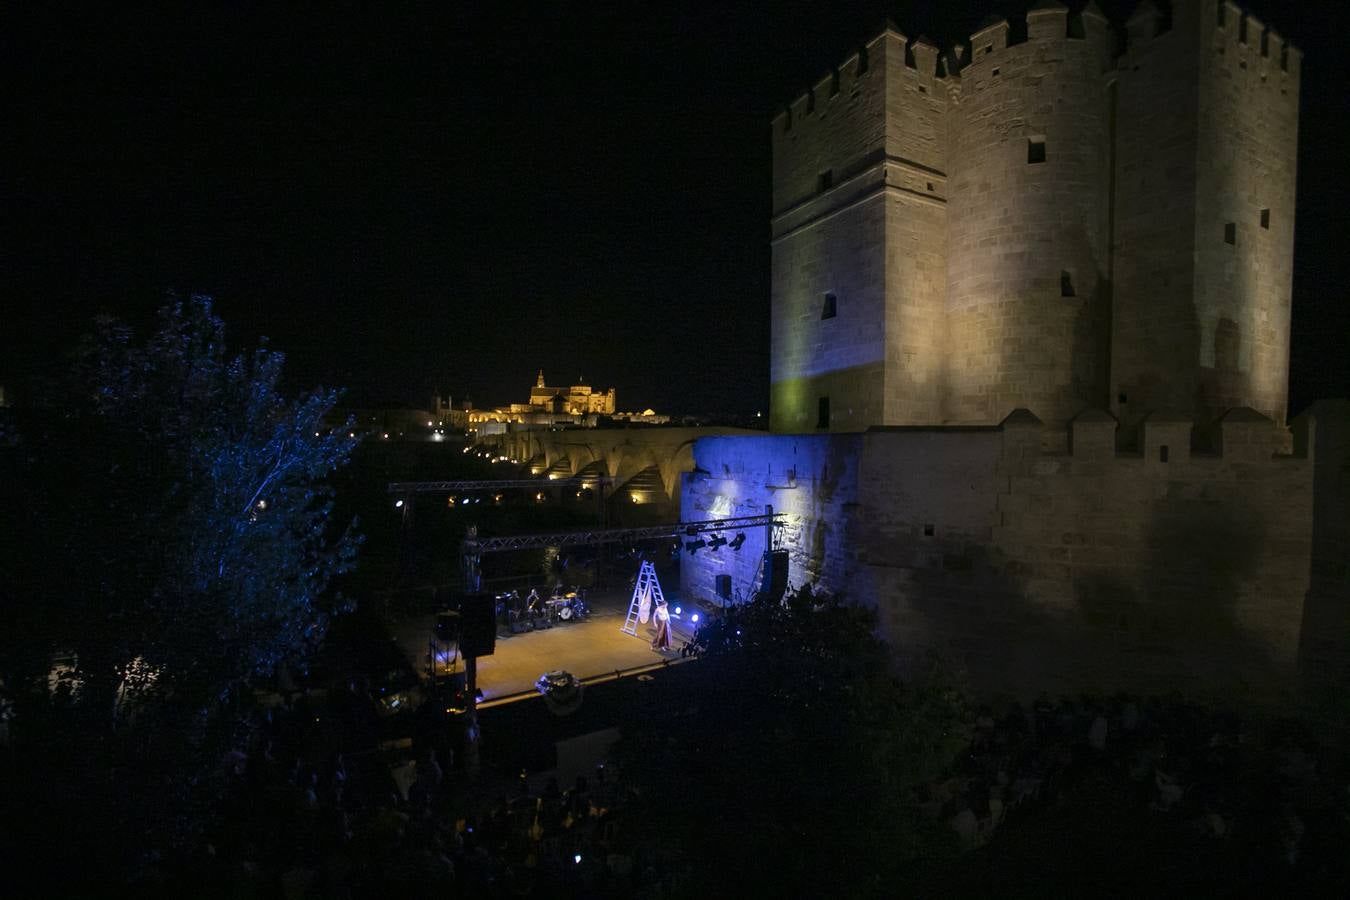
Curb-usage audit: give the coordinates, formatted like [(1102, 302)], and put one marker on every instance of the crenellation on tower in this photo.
[(992, 37), (925, 55)]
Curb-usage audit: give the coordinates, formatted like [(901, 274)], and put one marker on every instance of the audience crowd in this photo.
[(1278, 788), (306, 820)]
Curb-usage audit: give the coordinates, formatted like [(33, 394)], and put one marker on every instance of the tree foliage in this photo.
[(170, 539), (793, 763)]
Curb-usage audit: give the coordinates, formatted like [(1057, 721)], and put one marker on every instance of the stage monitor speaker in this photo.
[(477, 625), (724, 587), (775, 574)]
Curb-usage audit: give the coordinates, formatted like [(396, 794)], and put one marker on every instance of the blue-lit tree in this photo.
[(171, 539)]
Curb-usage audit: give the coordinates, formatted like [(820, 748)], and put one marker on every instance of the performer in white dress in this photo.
[(662, 619)]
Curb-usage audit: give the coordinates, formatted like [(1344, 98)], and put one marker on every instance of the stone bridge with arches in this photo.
[(644, 465)]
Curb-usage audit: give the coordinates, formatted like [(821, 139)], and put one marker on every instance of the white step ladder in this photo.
[(646, 595)]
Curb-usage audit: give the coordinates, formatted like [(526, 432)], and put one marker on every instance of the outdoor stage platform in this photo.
[(590, 649)]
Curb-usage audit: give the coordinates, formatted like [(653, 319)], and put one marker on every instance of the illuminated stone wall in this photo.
[(1086, 569), (1202, 324), (1018, 226), (829, 238), (811, 479), (1038, 224)]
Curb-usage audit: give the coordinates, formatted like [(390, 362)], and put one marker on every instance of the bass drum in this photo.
[(565, 613)]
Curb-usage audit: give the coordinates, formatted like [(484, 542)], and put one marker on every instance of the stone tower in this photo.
[(1206, 148), (1037, 223)]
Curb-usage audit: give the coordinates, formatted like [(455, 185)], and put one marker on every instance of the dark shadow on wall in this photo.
[(1090, 364), (1225, 384), (1324, 640), (824, 486), (953, 600), (1175, 628)]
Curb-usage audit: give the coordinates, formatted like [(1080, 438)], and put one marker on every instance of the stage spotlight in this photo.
[(678, 611), (694, 618), (738, 541), (716, 542), (398, 504), (692, 546)]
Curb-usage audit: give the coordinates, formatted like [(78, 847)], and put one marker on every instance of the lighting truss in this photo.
[(462, 487), (621, 535)]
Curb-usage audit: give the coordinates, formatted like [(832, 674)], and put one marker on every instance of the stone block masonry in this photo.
[(1090, 569), (1038, 223)]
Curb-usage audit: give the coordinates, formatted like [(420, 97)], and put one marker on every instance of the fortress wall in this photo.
[(1018, 335), (916, 239), (811, 479), (1323, 432), (915, 324), (1207, 138), (841, 357), (1154, 328), (830, 239), (1093, 571), (1089, 570), (838, 126), (1247, 157)]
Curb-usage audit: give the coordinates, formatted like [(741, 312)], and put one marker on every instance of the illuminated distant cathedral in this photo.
[(575, 405), (576, 400)]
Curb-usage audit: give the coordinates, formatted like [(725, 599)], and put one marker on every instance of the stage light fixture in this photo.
[(716, 542), (692, 546), (738, 541), (398, 504)]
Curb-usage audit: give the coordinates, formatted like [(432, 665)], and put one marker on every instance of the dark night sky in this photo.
[(405, 202)]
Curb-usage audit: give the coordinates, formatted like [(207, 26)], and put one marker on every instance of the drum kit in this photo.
[(535, 611)]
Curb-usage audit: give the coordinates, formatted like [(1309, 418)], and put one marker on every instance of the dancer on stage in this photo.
[(662, 619)]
